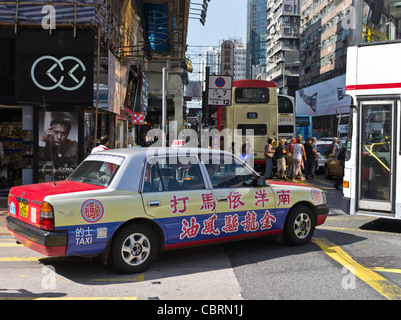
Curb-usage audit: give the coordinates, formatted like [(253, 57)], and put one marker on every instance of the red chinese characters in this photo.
[(261, 198), (208, 202), (250, 223), (231, 223), (209, 227), (92, 210), (179, 204), (189, 230), (267, 220), (283, 197), (235, 201)]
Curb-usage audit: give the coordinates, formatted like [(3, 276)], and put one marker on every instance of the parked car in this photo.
[(333, 166), (322, 149), (129, 204)]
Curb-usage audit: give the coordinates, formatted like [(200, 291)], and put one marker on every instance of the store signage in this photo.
[(58, 63), (227, 58), (55, 69)]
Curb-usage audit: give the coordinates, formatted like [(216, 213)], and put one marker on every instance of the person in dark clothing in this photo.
[(341, 158), (311, 157), (280, 157)]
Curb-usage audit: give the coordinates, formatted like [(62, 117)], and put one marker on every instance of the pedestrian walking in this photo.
[(341, 158), (311, 158), (104, 144), (298, 155), (333, 147), (280, 157), (288, 172), (269, 155)]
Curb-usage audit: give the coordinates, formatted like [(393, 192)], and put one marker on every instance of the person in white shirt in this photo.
[(298, 155), (104, 144)]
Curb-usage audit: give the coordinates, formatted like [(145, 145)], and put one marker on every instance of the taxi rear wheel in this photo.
[(134, 249), (299, 225)]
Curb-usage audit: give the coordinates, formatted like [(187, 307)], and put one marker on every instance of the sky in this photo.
[(224, 19)]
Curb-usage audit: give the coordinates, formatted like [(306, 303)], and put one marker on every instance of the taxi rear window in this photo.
[(97, 170)]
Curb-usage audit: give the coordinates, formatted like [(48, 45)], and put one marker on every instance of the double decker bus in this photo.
[(286, 117), (253, 115), (372, 173)]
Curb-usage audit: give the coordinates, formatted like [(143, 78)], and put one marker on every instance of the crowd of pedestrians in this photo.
[(294, 158)]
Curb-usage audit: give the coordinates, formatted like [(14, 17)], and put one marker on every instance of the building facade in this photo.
[(283, 63), (256, 38), (73, 72)]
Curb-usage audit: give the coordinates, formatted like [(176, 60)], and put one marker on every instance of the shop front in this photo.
[(16, 146), (44, 112)]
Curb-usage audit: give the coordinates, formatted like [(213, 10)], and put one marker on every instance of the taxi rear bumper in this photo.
[(322, 211), (49, 243)]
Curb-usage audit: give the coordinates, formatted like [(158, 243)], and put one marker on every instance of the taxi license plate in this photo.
[(23, 210)]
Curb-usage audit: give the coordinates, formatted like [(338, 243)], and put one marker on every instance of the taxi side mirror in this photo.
[(261, 181)]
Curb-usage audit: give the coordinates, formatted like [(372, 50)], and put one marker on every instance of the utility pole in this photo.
[(205, 97), (164, 105)]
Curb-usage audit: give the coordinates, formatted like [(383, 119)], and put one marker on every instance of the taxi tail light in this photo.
[(46, 220)]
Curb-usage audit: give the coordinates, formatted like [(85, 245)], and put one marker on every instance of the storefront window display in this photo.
[(16, 146)]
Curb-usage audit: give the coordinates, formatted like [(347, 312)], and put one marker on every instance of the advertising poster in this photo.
[(58, 145), (323, 98)]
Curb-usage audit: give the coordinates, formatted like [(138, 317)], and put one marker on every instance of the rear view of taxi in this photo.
[(129, 204)]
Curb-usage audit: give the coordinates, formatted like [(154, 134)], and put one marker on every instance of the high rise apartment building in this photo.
[(282, 61), (324, 38), (256, 38)]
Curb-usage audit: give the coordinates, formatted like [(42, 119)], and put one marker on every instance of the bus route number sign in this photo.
[(219, 92)]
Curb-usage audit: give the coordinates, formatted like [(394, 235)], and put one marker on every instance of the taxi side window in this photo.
[(230, 174), (165, 175)]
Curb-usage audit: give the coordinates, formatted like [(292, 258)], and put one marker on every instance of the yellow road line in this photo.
[(10, 245), (381, 269), (68, 298), (139, 278), (376, 281), (14, 259)]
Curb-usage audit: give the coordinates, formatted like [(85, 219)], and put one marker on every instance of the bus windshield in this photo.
[(285, 105), (303, 122), (252, 95)]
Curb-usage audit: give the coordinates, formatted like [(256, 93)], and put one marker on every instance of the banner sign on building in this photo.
[(227, 58), (323, 98), (117, 83), (55, 69)]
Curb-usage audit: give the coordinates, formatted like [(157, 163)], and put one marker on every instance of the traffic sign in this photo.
[(219, 97), (220, 82), (220, 88)]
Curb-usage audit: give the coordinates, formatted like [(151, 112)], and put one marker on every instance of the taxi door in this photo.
[(174, 195), (242, 208)]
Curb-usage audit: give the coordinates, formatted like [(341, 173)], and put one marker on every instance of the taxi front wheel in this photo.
[(134, 249), (299, 225)]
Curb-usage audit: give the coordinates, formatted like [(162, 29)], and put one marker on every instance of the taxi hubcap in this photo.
[(135, 249), (302, 225)]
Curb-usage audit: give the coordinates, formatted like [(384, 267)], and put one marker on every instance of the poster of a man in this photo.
[(58, 146)]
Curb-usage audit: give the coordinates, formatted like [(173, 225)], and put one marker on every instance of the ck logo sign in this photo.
[(67, 73)]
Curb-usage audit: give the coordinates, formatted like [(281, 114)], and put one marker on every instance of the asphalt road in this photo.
[(350, 257)]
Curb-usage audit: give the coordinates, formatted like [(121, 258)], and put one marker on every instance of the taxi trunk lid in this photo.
[(24, 202)]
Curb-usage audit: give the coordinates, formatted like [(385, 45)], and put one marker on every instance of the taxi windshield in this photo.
[(95, 171)]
